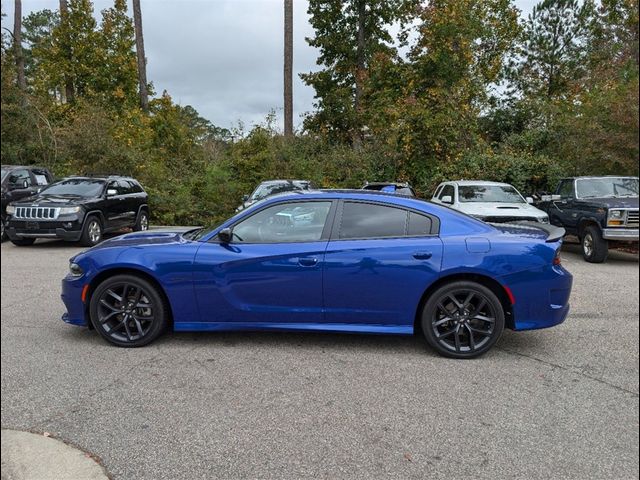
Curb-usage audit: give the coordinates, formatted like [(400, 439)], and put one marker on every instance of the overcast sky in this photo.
[(223, 57)]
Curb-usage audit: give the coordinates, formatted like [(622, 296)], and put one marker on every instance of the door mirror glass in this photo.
[(112, 192), (447, 199), (529, 200), (225, 235)]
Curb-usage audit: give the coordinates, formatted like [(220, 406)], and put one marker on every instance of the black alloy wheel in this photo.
[(128, 311), (463, 320)]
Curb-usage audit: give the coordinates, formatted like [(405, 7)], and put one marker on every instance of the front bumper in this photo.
[(69, 230), (71, 295), (623, 234)]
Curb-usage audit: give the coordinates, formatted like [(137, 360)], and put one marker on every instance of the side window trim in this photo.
[(335, 231)]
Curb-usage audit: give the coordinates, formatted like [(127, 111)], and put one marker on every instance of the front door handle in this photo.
[(422, 255), (308, 262)]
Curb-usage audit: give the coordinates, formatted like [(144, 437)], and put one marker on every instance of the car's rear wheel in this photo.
[(91, 232), (595, 249), (462, 319), (128, 311), (23, 242)]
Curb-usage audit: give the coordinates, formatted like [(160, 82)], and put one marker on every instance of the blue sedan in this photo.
[(334, 261)]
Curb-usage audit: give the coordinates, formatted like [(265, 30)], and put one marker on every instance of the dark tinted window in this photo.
[(124, 187), (447, 191), (418, 224), (363, 220), (566, 189), (135, 187), (20, 178)]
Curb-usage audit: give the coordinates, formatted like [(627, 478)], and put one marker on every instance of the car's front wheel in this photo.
[(595, 249), (91, 232), (462, 319), (128, 311)]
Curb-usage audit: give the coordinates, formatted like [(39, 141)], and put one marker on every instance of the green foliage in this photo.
[(429, 106)]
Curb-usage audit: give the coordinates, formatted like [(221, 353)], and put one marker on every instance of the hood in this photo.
[(50, 200), (500, 209), (609, 202), (143, 239)]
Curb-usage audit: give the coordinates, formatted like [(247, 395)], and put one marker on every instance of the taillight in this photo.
[(557, 260)]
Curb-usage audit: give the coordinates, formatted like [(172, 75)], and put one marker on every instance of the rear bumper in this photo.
[(541, 297), (624, 234)]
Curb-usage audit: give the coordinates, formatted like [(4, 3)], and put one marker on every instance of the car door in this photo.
[(130, 203), (115, 210), (378, 264), (563, 212), (271, 271)]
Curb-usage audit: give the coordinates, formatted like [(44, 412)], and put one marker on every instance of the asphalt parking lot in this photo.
[(559, 403)]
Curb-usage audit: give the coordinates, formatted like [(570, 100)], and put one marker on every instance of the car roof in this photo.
[(382, 184), (598, 176), (274, 182), (349, 194), (99, 177)]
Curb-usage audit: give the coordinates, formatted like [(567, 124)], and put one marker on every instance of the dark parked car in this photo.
[(273, 187), (20, 182), (79, 209), (597, 210), (396, 188)]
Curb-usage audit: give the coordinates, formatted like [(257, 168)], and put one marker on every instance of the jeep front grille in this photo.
[(632, 219), (36, 213)]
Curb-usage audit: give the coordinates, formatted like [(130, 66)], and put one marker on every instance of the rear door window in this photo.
[(365, 220)]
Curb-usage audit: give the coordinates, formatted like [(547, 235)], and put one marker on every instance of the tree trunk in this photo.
[(66, 94), (17, 45), (288, 68), (360, 73), (142, 61)]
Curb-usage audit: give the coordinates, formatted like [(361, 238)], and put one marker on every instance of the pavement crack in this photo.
[(570, 370)]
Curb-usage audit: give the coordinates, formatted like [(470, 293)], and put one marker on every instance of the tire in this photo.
[(91, 232), (595, 249), (142, 222), (3, 236), (462, 320), (23, 242), (120, 322)]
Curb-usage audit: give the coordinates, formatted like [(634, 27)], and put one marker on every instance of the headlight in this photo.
[(616, 218), (75, 270), (68, 210), (11, 210)]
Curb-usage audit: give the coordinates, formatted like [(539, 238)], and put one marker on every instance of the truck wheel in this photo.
[(92, 232), (595, 249)]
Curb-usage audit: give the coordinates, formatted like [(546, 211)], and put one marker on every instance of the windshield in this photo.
[(489, 194), (607, 187), (81, 187), (266, 190), (4, 174)]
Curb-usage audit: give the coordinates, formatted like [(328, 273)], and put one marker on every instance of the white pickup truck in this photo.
[(491, 202)]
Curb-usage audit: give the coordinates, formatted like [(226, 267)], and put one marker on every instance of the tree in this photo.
[(552, 54), (348, 34), (288, 68), (142, 60), (65, 50), (17, 45)]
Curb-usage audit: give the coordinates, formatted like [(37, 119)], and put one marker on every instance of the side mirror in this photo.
[(556, 198), (447, 199), (529, 200), (245, 198), (111, 192), (225, 235)]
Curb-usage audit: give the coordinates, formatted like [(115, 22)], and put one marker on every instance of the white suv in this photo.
[(489, 201)]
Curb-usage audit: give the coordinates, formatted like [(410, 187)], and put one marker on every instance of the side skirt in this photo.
[(294, 327)]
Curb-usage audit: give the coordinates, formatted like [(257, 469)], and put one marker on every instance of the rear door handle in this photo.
[(422, 255), (308, 262)]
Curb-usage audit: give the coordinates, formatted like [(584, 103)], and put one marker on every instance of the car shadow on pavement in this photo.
[(277, 340)]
